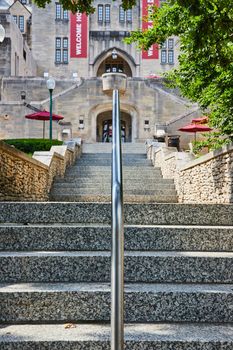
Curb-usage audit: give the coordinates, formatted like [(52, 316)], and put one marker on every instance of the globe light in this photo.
[(50, 84)]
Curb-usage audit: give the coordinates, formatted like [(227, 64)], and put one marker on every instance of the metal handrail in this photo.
[(117, 262)]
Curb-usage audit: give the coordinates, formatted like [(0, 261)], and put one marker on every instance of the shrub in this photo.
[(32, 145)]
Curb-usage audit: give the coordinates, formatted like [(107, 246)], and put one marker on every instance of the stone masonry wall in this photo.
[(30, 179), (208, 179)]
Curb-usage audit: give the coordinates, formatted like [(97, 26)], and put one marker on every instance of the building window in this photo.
[(170, 43), (58, 50), (170, 56), (65, 50), (65, 43), (21, 23), (24, 2), (65, 14), (163, 56), (65, 56), (61, 53), (15, 19), (167, 52), (100, 13), (129, 16), (107, 13), (121, 14), (58, 11)]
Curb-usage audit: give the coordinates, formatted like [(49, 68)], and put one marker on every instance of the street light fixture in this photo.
[(51, 86), (2, 33)]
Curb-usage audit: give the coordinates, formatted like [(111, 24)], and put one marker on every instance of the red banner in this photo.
[(78, 35), (153, 52)]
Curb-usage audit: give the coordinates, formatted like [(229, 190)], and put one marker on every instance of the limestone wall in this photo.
[(30, 179), (208, 179)]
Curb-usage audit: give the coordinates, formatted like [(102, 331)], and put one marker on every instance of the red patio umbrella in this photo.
[(43, 116), (195, 128), (201, 120)]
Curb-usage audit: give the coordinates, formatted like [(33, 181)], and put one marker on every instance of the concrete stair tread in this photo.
[(134, 214), (164, 288), (165, 254), (161, 332), (90, 198), (97, 236)]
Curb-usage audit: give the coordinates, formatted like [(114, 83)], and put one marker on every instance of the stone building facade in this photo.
[(76, 50), (102, 32)]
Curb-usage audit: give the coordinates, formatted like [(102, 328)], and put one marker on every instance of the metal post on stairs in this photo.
[(114, 84), (117, 264)]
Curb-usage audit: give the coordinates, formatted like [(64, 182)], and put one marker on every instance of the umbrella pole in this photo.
[(195, 137), (43, 128)]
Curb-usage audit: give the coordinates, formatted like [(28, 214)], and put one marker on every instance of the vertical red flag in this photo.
[(153, 52), (78, 35)]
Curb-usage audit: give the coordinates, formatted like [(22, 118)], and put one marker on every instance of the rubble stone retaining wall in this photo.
[(30, 179), (208, 179)]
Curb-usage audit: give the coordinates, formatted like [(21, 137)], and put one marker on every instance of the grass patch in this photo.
[(30, 146)]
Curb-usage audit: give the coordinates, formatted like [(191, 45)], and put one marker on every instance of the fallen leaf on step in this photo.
[(69, 325)]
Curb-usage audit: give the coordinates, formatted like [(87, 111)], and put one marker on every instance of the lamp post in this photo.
[(2, 33), (51, 86)]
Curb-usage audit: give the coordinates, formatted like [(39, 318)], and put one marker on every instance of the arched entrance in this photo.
[(104, 127), (118, 65)]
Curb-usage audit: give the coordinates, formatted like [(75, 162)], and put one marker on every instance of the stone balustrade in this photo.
[(208, 179), (30, 179)]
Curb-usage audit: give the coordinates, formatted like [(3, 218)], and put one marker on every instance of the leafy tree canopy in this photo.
[(82, 5), (205, 72)]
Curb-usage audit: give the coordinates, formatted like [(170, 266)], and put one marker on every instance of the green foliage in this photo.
[(81, 5), (205, 72), (32, 145), (213, 141)]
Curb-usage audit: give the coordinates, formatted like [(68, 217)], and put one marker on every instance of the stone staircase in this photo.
[(55, 269), (90, 178)]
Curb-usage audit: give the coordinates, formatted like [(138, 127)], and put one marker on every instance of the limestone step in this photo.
[(106, 198), (87, 302), (85, 266), (109, 156), (106, 181), (106, 186), (107, 148), (107, 163), (77, 169), (134, 214), (94, 237), (162, 336), (106, 190)]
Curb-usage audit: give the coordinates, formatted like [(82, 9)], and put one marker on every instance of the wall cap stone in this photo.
[(21, 155), (209, 156)]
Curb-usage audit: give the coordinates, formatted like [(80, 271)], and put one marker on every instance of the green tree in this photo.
[(205, 72)]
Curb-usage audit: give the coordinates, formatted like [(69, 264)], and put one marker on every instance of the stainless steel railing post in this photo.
[(117, 263)]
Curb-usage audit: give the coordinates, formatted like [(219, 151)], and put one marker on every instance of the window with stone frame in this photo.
[(121, 14), (129, 16), (107, 14), (21, 23), (65, 50), (100, 13), (15, 19), (58, 11), (58, 57), (167, 52), (65, 14), (61, 50)]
